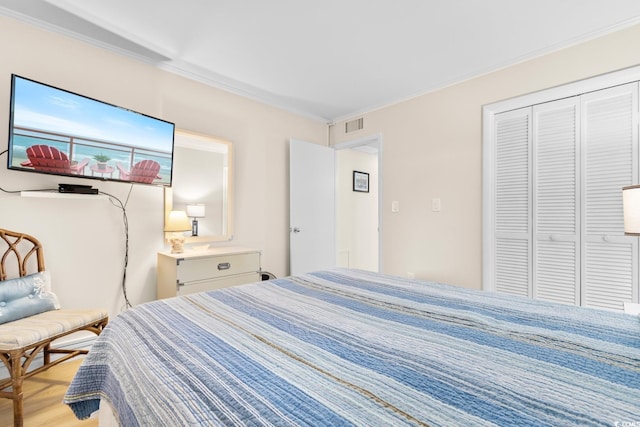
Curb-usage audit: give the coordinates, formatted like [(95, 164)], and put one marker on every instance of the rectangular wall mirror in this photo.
[(202, 185)]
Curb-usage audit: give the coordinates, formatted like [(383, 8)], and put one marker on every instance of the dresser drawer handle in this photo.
[(224, 266)]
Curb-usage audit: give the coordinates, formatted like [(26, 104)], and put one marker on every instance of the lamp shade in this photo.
[(177, 221), (195, 210), (631, 208)]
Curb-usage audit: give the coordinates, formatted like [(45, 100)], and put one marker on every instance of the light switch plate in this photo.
[(436, 205), (395, 206)]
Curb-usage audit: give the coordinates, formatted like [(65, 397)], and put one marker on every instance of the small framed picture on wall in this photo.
[(360, 181)]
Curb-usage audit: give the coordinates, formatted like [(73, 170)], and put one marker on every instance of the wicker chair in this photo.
[(22, 340)]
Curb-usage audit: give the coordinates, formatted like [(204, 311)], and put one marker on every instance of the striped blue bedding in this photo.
[(354, 348)]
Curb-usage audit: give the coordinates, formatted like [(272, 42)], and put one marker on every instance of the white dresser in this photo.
[(204, 270)]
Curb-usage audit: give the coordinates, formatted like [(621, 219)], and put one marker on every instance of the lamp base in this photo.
[(194, 227), (177, 243)]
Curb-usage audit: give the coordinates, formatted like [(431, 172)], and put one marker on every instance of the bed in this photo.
[(354, 348)]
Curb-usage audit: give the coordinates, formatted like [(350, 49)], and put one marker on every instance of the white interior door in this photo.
[(312, 207)]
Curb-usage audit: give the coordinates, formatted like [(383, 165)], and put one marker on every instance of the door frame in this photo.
[(369, 140)]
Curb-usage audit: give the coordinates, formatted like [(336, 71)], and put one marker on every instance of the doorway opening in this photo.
[(358, 212)]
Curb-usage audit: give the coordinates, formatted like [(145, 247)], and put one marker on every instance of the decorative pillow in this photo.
[(26, 296)]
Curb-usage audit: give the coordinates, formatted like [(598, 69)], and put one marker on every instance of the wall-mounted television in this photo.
[(58, 132)]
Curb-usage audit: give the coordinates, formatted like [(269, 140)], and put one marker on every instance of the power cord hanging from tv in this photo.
[(125, 220), (118, 205)]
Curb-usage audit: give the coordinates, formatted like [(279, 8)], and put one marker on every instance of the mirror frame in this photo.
[(168, 191)]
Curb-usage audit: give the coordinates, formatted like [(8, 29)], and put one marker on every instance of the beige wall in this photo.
[(433, 149), (84, 238)]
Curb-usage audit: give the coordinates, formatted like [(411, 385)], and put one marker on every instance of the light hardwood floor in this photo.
[(43, 395)]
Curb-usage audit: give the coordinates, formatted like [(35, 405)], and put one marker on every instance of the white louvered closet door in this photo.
[(610, 158), (513, 202), (556, 201)]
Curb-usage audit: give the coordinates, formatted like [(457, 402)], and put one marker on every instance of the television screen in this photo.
[(58, 132)]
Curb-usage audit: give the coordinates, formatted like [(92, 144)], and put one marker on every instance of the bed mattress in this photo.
[(354, 348)]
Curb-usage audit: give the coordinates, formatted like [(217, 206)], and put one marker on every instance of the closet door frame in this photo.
[(489, 112)]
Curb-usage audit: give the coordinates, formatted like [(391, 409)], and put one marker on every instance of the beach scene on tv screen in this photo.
[(59, 132)]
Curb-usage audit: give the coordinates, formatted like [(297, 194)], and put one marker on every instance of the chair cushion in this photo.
[(26, 296), (30, 330)]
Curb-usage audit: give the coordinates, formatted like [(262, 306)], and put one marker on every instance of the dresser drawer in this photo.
[(211, 284), (196, 269)]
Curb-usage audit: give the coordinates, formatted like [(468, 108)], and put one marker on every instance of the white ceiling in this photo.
[(329, 59)]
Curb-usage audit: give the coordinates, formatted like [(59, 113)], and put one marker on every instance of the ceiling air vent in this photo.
[(354, 125)]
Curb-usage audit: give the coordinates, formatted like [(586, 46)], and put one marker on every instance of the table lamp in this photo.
[(176, 223), (195, 211), (631, 209)]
